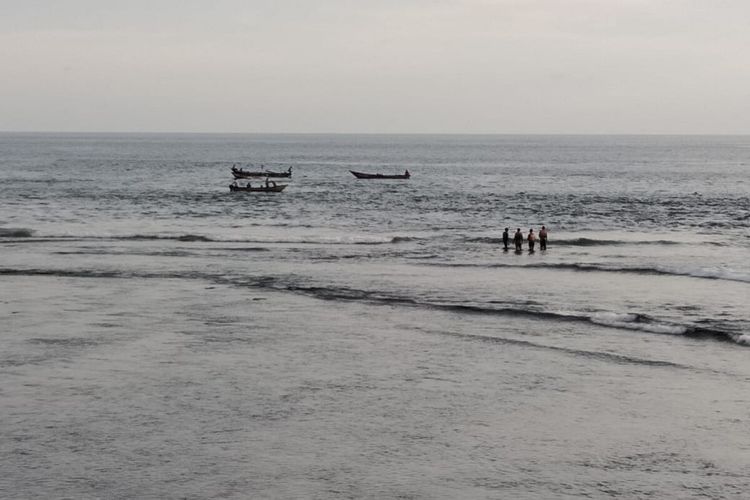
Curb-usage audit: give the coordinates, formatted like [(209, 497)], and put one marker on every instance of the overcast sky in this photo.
[(392, 66)]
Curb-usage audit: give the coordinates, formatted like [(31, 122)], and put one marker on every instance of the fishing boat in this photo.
[(269, 187), (239, 173), (362, 175)]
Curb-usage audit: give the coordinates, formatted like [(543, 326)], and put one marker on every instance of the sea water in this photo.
[(161, 337)]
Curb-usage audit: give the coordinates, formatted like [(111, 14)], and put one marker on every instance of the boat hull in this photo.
[(238, 173), (362, 175), (260, 189)]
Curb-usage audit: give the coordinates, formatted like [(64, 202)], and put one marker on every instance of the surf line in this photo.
[(606, 356)]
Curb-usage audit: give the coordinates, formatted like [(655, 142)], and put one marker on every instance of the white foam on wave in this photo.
[(720, 273), (630, 322), (612, 317), (742, 339), (661, 328)]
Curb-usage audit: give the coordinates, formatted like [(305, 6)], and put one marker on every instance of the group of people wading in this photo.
[(531, 238)]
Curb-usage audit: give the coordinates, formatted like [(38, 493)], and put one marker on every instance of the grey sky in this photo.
[(455, 66)]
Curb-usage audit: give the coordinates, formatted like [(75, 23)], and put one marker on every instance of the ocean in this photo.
[(164, 338)]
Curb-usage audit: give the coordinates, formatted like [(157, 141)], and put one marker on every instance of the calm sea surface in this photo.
[(161, 337)]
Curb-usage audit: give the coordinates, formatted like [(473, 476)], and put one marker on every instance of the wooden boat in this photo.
[(239, 173), (269, 187), (362, 175)]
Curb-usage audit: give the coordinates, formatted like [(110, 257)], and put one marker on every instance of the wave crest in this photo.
[(626, 321), (16, 232), (704, 273), (201, 238)]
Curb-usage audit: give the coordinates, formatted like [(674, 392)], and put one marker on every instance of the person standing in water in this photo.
[(531, 239), (543, 238), (506, 238), (518, 240)]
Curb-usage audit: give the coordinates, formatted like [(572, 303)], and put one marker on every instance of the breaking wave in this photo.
[(200, 238), (705, 273), (628, 321), (193, 237), (404, 239), (92, 273), (183, 237), (591, 242), (607, 356), (13, 232), (623, 321), (244, 249)]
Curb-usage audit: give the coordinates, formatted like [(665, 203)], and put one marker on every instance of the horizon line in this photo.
[(559, 134)]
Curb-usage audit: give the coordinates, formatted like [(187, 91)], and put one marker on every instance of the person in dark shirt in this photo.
[(506, 238), (543, 238), (518, 240)]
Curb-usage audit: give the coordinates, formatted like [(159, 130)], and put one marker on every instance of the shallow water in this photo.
[(163, 338)]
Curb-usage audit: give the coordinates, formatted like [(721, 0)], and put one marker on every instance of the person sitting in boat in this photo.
[(407, 174)]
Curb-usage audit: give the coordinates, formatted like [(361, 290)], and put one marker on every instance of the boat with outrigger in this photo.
[(240, 173), (268, 187), (363, 175)]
